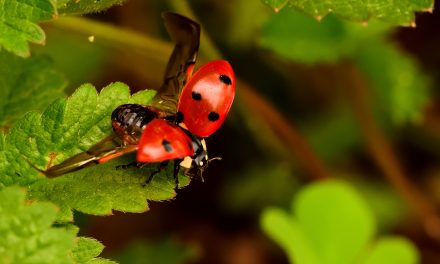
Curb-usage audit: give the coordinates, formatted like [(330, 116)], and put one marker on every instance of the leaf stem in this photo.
[(385, 157), (123, 38)]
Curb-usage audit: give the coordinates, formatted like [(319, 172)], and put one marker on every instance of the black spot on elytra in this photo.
[(213, 116), (196, 96), (167, 145), (179, 118), (225, 79)]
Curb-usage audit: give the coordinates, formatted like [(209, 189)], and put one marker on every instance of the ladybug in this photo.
[(206, 98), (186, 109)]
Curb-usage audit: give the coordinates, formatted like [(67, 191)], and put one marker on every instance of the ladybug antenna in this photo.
[(205, 166)]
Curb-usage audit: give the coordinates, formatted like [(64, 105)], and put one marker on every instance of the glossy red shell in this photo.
[(163, 140), (207, 97)]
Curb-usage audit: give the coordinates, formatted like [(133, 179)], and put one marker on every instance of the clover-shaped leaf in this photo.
[(331, 223), (71, 126)]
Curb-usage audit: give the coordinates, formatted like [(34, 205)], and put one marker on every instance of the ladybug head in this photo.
[(199, 162)]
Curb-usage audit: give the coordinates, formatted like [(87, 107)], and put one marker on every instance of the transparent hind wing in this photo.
[(105, 150), (185, 33)]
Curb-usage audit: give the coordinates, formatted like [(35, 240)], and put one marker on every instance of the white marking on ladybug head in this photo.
[(186, 162)]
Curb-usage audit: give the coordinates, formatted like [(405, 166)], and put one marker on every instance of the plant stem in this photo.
[(154, 48), (384, 155)]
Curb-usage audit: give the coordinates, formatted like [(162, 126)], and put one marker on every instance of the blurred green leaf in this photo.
[(393, 250), (303, 39), (26, 235), (333, 135), (287, 232), (331, 223), (400, 89), (395, 12), (71, 126), (88, 62), (27, 84), (298, 37), (336, 220), (18, 19), (387, 206), (158, 252), (275, 180), (17, 23)]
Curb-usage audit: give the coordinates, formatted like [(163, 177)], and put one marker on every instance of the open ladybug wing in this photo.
[(163, 140), (185, 33), (101, 152), (207, 97)]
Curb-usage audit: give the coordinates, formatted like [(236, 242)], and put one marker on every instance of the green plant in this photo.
[(331, 223)]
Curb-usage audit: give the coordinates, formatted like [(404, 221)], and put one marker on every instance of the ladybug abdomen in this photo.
[(129, 121)]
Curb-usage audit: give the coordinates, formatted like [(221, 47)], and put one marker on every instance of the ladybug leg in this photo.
[(160, 168), (132, 164), (176, 171)]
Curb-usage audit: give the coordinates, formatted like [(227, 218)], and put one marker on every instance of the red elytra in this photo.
[(163, 140), (207, 97)]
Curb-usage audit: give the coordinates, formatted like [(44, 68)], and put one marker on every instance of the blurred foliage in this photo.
[(331, 223), (27, 84), (18, 19), (27, 235), (166, 251), (400, 89), (88, 62)]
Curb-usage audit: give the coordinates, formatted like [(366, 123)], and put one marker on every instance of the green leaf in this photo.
[(303, 39), (17, 23), (71, 126), (395, 12), (165, 251), (26, 232), (336, 220), (330, 223), (86, 251), (287, 232), (18, 19), (27, 84), (85, 6), (298, 37), (393, 250)]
